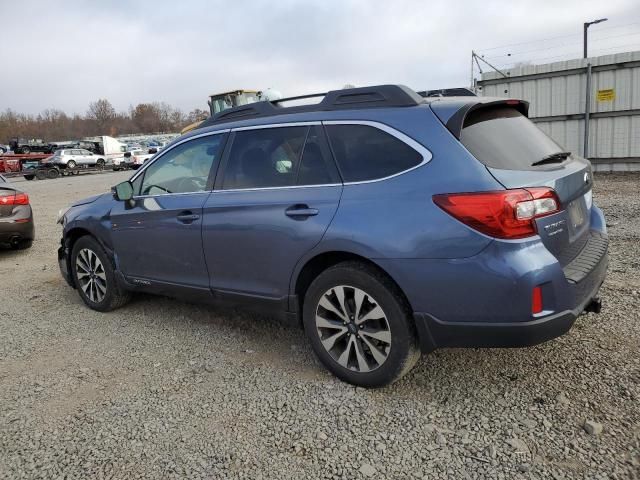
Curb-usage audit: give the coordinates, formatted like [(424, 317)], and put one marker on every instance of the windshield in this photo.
[(501, 137)]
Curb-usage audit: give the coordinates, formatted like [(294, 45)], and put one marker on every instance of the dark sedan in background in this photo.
[(16, 218)]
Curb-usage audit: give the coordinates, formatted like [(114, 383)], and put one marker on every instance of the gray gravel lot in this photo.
[(164, 389)]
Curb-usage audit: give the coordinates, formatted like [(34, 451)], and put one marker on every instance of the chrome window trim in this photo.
[(288, 187), (421, 149), (200, 192), (162, 153)]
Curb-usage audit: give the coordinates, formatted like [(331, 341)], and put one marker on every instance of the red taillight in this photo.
[(14, 198), (536, 300), (505, 214)]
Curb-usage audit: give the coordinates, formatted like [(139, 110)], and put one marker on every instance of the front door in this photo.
[(278, 193), (158, 239)]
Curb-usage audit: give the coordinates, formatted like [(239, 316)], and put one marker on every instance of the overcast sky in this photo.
[(66, 54)]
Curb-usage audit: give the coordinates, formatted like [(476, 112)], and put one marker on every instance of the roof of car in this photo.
[(378, 96)]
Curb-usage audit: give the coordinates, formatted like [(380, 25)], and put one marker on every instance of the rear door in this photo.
[(273, 202), (518, 154)]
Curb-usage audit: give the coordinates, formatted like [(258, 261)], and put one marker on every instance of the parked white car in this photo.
[(138, 158), (75, 157)]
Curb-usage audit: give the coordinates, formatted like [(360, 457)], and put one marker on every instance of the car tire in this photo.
[(370, 345), (71, 164), (53, 173), (25, 150), (94, 276), (22, 245), (41, 174), (29, 177), (100, 164)]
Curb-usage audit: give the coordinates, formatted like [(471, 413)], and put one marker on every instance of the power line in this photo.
[(554, 38), (512, 54)]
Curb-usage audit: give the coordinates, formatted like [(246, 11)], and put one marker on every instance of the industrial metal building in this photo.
[(557, 95)]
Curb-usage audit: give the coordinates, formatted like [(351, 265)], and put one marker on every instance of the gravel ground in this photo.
[(164, 389)]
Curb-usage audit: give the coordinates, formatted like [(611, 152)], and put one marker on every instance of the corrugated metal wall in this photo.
[(556, 93)]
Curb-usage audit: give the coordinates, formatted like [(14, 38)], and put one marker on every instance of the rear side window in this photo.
[(263, 158), (501, 137), (368, 153)]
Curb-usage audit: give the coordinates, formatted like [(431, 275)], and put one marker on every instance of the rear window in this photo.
[(501, 137), (367, 153)]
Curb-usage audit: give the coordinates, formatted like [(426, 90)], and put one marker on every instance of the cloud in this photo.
[(70, 53)]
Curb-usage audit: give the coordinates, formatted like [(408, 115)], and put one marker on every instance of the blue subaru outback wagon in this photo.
[(385, 223)]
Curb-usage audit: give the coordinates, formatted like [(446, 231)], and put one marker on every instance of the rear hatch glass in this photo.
[(501, 137)]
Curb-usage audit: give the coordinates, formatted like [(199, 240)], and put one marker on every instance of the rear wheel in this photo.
[(71, 164), (25, 150), (53, 173), (41, 174), (360, 326), (100, 164), (94, 276)]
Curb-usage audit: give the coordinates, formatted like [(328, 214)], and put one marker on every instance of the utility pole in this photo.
[(587, 100)]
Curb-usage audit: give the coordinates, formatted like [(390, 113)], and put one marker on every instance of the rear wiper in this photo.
[(557, 157)]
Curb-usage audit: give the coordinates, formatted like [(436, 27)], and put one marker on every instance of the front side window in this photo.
[(183, 169), (366, 153), (263, 158)]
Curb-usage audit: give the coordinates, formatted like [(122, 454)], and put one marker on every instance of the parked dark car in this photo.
[(386, 224), (22, 145), (16, 218)]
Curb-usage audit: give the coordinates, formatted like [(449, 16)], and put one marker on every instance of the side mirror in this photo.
[(123, 191)]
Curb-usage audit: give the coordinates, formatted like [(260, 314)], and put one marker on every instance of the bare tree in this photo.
[(100, 119), (102, 112)]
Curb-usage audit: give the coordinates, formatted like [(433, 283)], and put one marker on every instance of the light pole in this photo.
[(586, 26), (587, 102)]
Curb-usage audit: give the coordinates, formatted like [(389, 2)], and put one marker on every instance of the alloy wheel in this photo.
[(91, 275), (353, 328)]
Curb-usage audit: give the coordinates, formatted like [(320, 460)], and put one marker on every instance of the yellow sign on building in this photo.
[(607, 95)]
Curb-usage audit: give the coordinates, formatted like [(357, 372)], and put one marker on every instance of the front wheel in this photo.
[(25, 150), (94, 276), (100, 164), (360, 326), (71, 164)]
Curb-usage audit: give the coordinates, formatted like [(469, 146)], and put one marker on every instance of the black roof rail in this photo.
[(448, 92), (350, 98)]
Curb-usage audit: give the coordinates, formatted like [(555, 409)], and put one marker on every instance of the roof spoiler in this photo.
[(454, 119), (447, 92)]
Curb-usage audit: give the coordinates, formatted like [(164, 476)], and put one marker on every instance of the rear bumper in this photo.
[(11, 230), (435, 333)]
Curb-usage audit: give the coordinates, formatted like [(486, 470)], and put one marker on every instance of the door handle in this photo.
[(187, 217), (298, 211)]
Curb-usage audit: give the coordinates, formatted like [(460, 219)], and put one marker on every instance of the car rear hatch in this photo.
[(519, 155)]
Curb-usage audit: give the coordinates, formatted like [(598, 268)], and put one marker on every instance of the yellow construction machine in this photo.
[(222, 101)]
